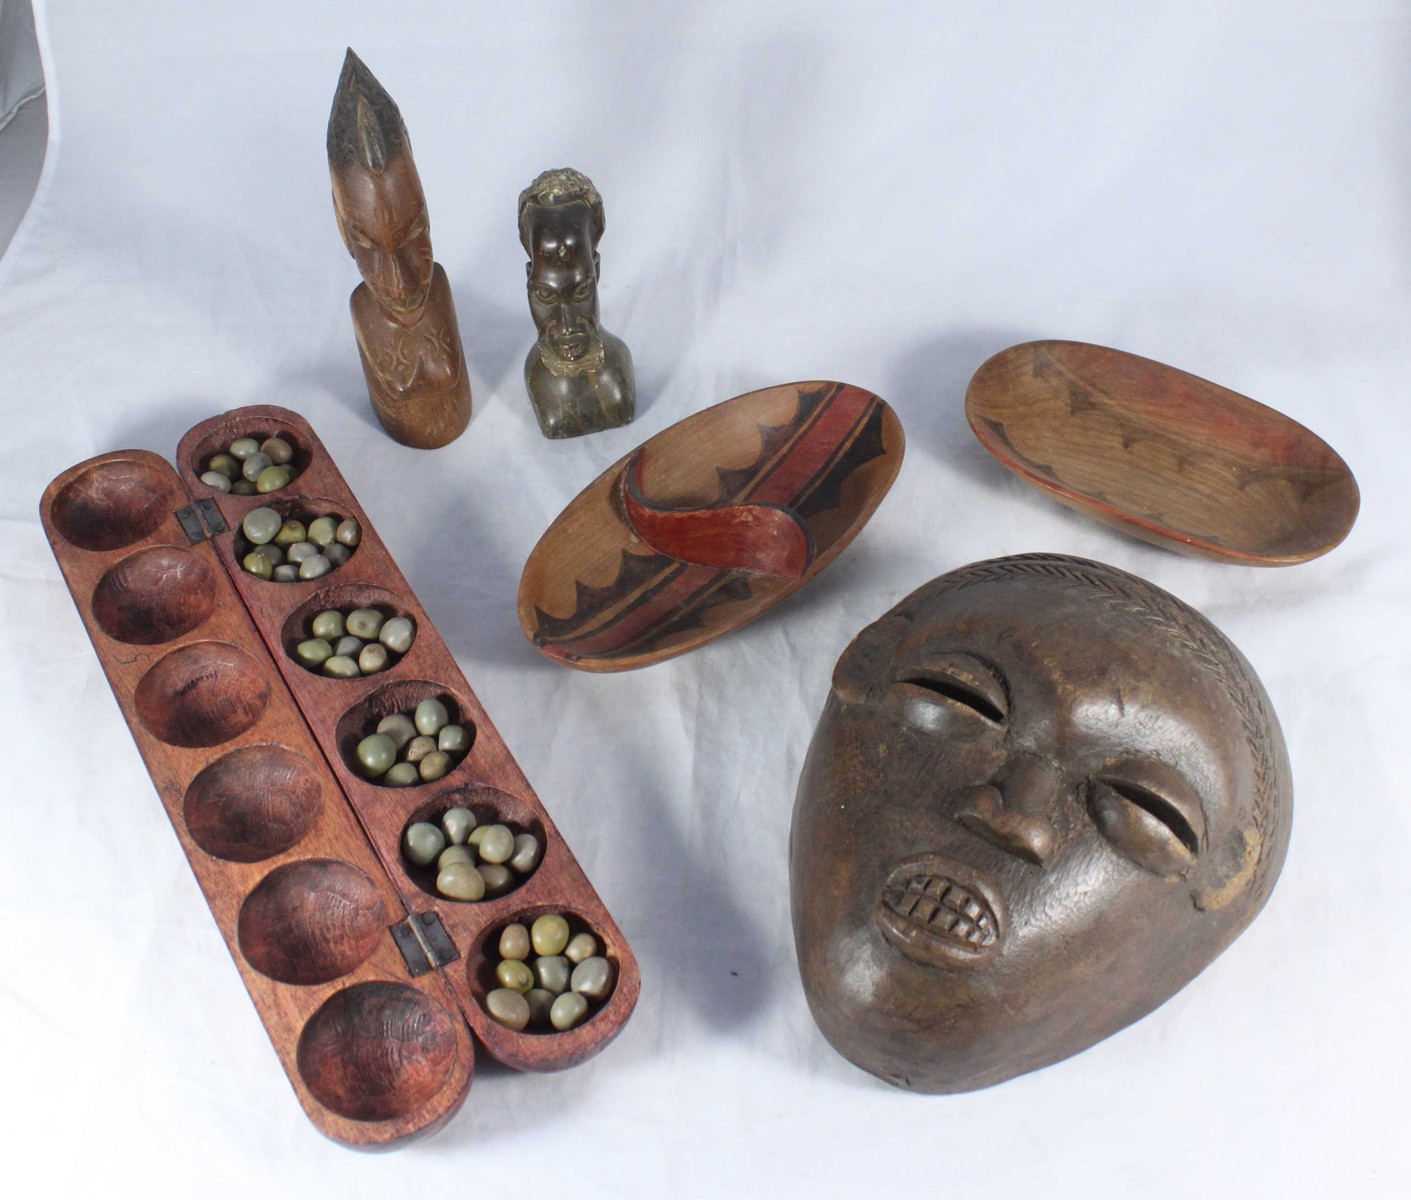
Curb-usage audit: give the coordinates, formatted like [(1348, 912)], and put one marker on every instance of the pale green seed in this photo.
[(423, 842), (328, 625), (580, 946), (372, 658), (457, 823), (349, 532), (280, 452), (321, 531), (549, 934), (401, 775), (476, 834), (365, 623), (434, 766), (376, 753), (526, 854), (299, 551), (398, 634), (340, 666), (290, 533), (498, 879), (592, 978), (269, 550), (260, 525), (430, 716), (242, 487), (226, 464), (460, 881), (271, 479), (399, 727), (286, 573), (258, 565), (552, 972), (453, 739), (514, 942), (496, 846), (253, 465), (540, 1003), (567, 1011), (514, 974), (242, 448), (418, 748), (454, 854), (347, 645), (313, 653), (337, 554), (508, 1008), (214, 479), (313, 568)]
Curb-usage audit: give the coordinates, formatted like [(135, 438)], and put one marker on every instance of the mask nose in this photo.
[(1011, 812)]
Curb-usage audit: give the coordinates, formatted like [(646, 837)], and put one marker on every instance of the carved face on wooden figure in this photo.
[(560, 221), (377, 195), (1042, 797)]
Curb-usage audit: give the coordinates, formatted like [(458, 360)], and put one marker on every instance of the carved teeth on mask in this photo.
[(942, 908)]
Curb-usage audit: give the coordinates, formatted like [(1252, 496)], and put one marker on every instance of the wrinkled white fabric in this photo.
[(881, 194), (21, 72)]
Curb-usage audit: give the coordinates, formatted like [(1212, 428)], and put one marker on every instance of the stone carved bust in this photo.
[(403, 313), (579, 376), (1042, 797)]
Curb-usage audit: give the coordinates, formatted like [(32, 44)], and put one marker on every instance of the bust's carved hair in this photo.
[(562, 185), (365, 128), (1197, 638)]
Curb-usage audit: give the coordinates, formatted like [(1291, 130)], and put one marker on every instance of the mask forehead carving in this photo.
[(1043, 796)]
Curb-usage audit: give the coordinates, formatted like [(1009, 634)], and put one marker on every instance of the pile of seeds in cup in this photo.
[(289, 551), (549, 977), (360, 642), (415, 747), (249, 466), (472, 861)]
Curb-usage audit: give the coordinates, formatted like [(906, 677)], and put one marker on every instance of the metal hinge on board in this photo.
[(201, 519), (424, 943)]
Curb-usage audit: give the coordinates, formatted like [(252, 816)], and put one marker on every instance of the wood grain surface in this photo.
[(596, 595), (1166, 456), (298, 855)]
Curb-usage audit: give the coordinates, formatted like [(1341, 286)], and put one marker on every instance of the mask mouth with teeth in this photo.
[(1042, 797)]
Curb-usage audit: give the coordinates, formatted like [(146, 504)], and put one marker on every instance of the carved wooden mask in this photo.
[(1042, 797)]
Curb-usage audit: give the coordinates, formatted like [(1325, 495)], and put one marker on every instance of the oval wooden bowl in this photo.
[(708, 524), (1172, 458)]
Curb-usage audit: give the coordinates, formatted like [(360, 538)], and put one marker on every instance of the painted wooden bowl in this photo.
[(708, 524), (1167, 456)]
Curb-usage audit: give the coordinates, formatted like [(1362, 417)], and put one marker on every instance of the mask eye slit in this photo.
[(1159, 808), (958, 692)]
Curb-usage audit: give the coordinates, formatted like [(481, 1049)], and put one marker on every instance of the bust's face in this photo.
[(384, 224), (563, 279), (1027, 818)]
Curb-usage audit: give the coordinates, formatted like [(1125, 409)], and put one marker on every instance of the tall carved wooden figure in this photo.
[(579, 376), (403, 313)]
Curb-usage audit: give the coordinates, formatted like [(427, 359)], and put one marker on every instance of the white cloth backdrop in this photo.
[(884, 194), (21, 73)]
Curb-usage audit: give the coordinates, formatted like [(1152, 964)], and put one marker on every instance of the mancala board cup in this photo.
[(1167, 456), (708, 524)]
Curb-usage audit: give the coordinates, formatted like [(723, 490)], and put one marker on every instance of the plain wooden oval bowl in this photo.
[(814, 459), (1167, 456)]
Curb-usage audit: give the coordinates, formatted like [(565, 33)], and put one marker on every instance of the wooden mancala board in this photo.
[(368, 982)]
